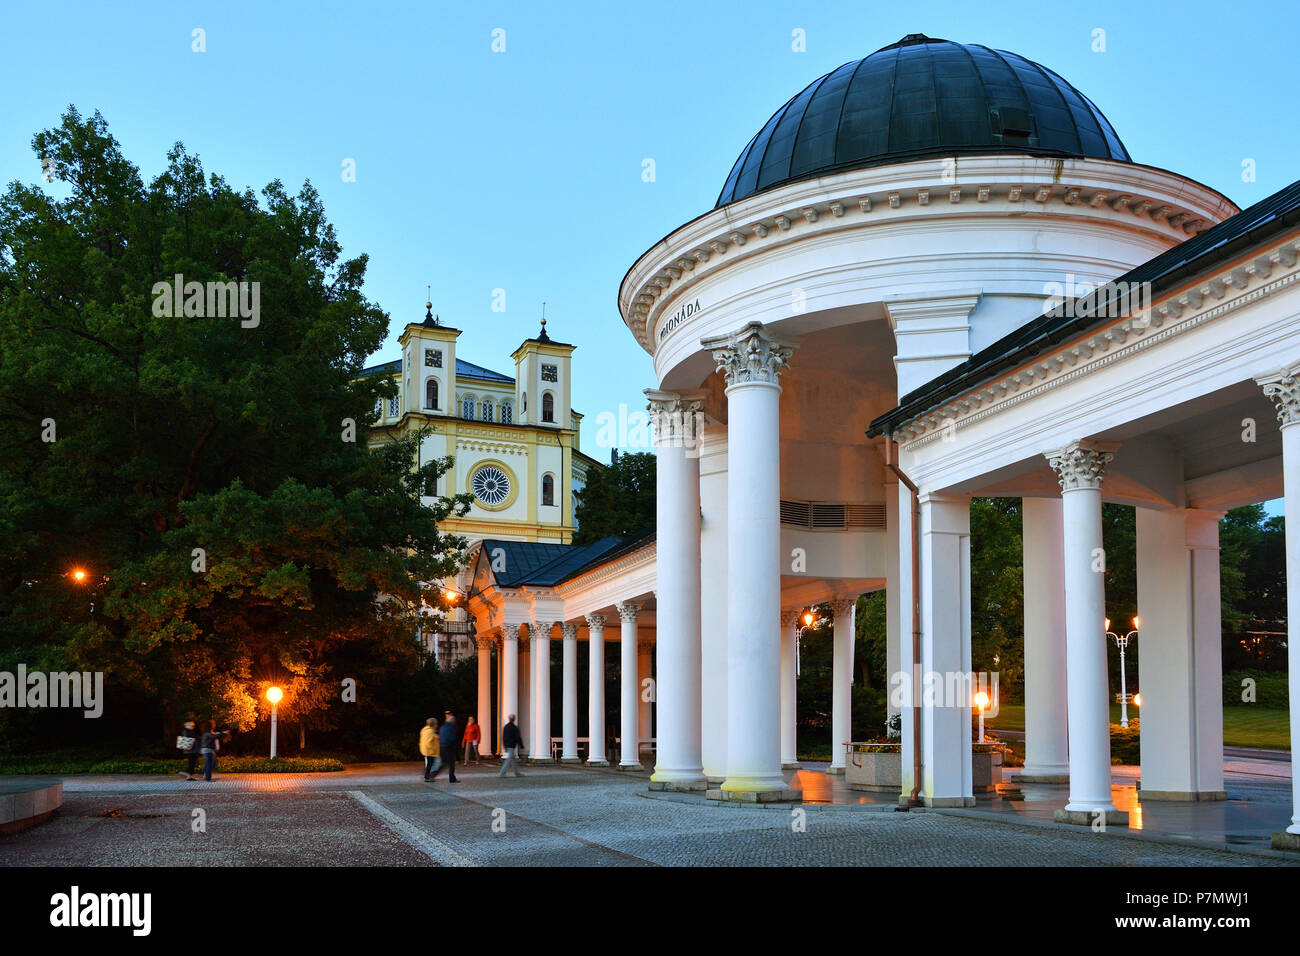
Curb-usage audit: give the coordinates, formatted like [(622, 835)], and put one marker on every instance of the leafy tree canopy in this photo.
[(209, 474), (618, 499)]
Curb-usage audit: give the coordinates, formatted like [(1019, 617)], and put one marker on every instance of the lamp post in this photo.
[(981, 701), (807, 617), (274, 695), (1122, 644)]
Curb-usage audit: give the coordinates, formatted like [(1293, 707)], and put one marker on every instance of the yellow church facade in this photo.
[(514, 440)]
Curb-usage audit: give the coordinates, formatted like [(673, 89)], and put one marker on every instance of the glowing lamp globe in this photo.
[(274, 695), (981, 700)]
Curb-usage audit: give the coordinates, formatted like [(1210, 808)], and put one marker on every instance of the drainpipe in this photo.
[(891, 460)]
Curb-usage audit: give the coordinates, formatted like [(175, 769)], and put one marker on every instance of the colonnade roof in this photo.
[(1230, 239), (539, 564)]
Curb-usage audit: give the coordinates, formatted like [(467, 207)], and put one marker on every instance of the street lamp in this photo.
[(1122, 644), (274, 695), (79, 575), (981, 701)]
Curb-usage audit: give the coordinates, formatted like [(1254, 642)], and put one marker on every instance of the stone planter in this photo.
[(985, 767), (880, 771)]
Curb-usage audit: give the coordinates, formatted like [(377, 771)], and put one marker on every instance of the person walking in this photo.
[(209, 744), (473, 734), (511, 740), (429, 747), (190, 732), (448, 740)]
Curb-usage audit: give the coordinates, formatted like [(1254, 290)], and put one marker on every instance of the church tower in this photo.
[(429, 365), (542, 382)]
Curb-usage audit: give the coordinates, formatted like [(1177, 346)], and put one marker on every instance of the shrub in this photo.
[(1270, 688)]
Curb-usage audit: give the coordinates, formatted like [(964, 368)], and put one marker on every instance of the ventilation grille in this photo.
[(833, 515)]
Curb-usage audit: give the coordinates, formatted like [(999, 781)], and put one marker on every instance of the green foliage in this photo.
[(619, 499), (1270, 689), (997, 592), (1126, 745), (184, 433)]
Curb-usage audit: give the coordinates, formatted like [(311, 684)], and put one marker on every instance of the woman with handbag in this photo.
[(187, 742), (209, 744), (429, 747)]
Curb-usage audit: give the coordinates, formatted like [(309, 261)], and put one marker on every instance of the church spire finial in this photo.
[(542, 336), (429, 317)]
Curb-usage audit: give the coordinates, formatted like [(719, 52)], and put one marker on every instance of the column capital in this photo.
[(645, 644), (596, 622), (749, 356), (627, 611), (789, 616), (677, 417), (541, 629), (1081, 465), (510, 632), (842, 606), (569, 631), (484, 641), (1284, 390)]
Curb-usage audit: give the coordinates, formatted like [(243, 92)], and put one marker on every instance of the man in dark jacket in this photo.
[(511, 741), (448, 740)]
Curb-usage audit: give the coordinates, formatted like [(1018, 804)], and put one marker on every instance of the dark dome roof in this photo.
[(921, 97)]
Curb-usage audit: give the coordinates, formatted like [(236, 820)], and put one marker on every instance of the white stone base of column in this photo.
[(715, 781), (597, 763), (754, 796), (943, 802), (835, 771), (1182, 796), (792, 766), (1286, 840), (1087, 818), (632, 767), (1030, 775), (684, 785), (570, 760), (539, 760)]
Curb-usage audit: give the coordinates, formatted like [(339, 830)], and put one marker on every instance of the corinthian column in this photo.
[(789, 689), (541, 662), (678, 420), (1081, 466), (1284, 390), (841, 681), (629, 758), (484, 716), (751, 361), (509, 674), (596, 690), (569, 710)]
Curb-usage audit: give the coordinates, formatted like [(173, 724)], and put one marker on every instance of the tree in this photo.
[(209, 472), (618, 499)]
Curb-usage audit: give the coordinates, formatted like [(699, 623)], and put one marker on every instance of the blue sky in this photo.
[(521, 170)]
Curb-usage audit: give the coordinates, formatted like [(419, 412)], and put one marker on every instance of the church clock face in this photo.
[(490, 485)]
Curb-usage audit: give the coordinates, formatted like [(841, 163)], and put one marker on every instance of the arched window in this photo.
[(507, 413), (548, 490), (548, 407), (395, 406), (431, 394), (467, 407), (487, 410)]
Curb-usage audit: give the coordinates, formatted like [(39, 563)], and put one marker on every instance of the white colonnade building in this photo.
[(881, 318)]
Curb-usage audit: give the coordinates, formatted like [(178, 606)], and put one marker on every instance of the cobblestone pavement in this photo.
[(550, 817)]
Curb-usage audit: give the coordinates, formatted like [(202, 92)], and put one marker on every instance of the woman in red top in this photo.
[(472, 737)]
